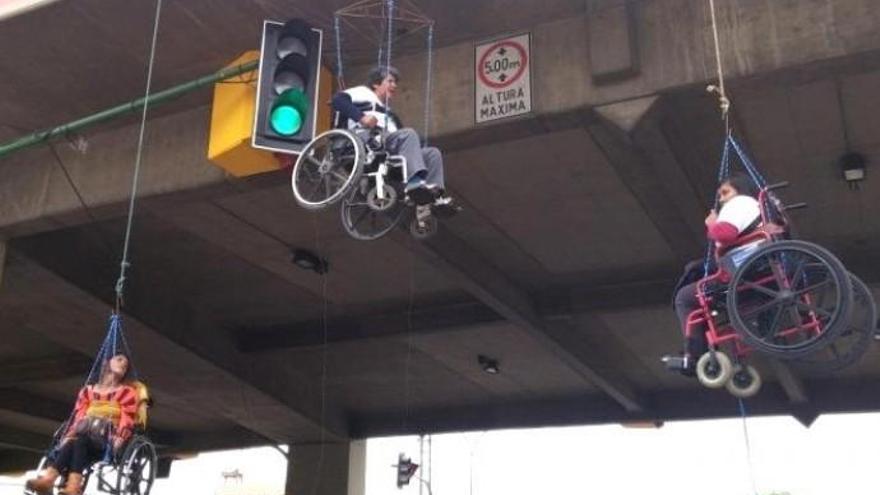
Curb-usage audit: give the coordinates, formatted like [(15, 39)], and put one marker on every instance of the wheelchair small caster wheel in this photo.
[(714, 371), (423, 228), (744, 382), (384, 203)]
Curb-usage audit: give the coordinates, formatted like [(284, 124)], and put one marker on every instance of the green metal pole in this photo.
[(132, 106)]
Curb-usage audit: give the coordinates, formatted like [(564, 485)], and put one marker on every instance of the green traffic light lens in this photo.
[(288, 112), (286, 120)]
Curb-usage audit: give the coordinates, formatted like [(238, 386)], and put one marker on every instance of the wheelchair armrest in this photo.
[(757, 235)]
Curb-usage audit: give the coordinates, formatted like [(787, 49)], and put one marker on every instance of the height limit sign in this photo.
[(503, 78)]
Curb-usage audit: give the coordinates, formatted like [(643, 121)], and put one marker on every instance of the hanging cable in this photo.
[(338, 32), (324, 345), (742, 412), (390, 18), (428, 81), (124, 264), (723, 100)]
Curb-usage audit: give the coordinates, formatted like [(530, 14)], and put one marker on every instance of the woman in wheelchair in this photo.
[(103, 420), (362, 109), (739, 215)]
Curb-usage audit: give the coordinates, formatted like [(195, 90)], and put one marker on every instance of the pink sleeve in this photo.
[(722, 233)]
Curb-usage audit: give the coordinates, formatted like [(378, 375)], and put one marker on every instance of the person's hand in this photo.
[(369, 121), (711, 218), (772, 228)]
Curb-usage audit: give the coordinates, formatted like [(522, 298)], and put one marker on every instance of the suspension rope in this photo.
[(390, 17), (338, 32), (124, 264), (723, 100), (742, 412), (428, 81), (324, 346)]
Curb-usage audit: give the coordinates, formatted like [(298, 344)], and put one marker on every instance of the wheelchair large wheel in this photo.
[(789, 299), (137, 468), (363, 220), (853, 342), (327, 168)]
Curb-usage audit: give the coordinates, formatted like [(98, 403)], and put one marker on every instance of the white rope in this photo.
[(723, 100), (390, 13), (124, 264), (428, 78)]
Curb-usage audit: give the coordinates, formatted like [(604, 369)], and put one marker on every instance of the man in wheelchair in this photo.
[(104, 418), (362, 109), (739, 215)]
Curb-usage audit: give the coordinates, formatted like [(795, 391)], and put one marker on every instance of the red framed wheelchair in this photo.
[(788, 299)]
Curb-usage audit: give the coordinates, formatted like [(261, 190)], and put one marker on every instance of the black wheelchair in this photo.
[(354, 167), (131, 472)]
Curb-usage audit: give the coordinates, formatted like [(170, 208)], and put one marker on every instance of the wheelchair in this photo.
[(785, 298), (131, 472), (354, 167)]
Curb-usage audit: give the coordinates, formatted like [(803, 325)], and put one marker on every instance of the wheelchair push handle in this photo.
[(794, 206), (778, 185)]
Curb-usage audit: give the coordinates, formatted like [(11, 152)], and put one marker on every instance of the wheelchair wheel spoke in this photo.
[(311, 159), (774, 324), (813, 309), (340, 176), (760, 288), (777, 268), (760, 309), (813, 287), (798, 272)]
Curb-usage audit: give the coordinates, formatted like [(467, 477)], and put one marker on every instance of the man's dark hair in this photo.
[(743, 185), (378, 74)]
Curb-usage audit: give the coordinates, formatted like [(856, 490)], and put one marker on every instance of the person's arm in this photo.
[(343, 104), (128, 409), (719, 231), (79, 411), (734, 218)]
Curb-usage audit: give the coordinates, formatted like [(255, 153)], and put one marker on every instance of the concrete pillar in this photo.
[(337, 469)]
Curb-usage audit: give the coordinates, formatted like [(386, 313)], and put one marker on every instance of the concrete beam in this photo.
[(828, 396), (631, 137), (554, 304), (791, 384), (42, 369), (11, 438), (489, 285), (15, 462), (35, 406), (613, 43), (3, 248), (421, 320)]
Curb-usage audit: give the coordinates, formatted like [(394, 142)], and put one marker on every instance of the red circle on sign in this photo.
[(522, 68)]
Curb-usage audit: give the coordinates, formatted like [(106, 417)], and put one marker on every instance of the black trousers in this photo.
[(77, 454)]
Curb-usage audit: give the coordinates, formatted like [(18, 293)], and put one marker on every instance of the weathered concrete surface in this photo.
[(576, 220)]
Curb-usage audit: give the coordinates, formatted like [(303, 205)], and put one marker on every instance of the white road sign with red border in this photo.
[(503, 78)]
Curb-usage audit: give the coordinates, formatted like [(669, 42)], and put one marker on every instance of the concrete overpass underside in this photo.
[(577, 220)]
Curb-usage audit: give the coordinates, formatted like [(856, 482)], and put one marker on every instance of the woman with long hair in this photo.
[(103, 420)]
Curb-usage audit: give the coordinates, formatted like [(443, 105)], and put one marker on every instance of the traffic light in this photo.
[(287, 87), (405, 470)]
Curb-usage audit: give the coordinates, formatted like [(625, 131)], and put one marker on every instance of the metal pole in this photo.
[(132, 106)]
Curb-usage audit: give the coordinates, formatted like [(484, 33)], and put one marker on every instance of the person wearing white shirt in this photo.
[(740, 214), (366, 107)]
